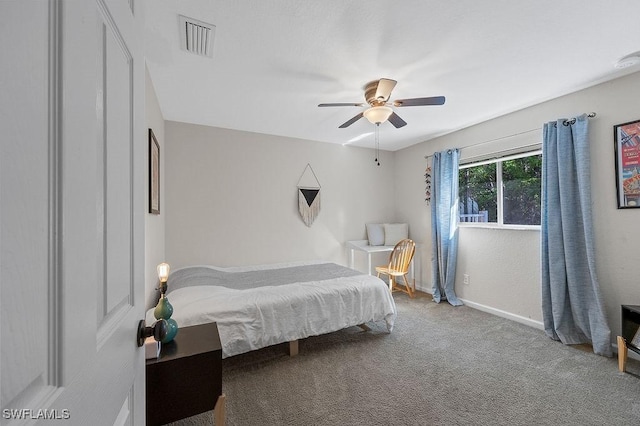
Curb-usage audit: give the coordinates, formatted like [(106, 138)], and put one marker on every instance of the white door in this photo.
[(72, 211)]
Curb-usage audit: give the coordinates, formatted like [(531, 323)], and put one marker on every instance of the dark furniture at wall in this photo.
[(630, 338), (187, 377)]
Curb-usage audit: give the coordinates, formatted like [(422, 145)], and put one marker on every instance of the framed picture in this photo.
[(154, 174), (627, 149)]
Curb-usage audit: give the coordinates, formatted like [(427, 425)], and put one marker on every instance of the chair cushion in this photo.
[(375, 234), (394, 232)]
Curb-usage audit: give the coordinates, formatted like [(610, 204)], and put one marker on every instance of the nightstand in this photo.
[(187, 377)]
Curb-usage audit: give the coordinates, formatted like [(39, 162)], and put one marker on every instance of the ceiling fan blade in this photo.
[(385, 86), (396, 120), (340, 104), (350, 122), (434, 100)]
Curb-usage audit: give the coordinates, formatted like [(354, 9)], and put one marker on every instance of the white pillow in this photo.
[(394, 232), (375, 234)]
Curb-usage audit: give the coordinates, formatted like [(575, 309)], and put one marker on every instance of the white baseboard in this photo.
[(517, 318), (528, 321), (498, 312), (504, 314)]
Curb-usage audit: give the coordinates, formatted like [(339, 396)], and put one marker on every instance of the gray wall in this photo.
[(504, 265), (232, 198)]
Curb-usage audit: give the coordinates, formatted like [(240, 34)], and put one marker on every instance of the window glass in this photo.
[(477, 188), (503, 192), (522, 183)]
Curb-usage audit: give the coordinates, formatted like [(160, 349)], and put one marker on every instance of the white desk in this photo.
[(363, 245)]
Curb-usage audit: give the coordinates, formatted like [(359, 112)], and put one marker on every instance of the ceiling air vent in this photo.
[(196, 36)]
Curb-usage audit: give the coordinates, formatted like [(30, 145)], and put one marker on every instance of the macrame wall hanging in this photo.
[(308, 196)]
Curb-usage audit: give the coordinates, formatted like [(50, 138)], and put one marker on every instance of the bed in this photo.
[(260, 306)]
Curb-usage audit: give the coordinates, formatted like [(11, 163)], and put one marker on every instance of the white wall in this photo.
[(504, 265), (154, 224), (232, 199)]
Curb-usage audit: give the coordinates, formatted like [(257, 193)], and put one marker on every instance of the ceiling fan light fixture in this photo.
[(378, 114)]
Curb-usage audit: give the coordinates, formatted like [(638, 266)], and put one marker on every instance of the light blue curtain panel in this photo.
[(444, 226), (572, 306)]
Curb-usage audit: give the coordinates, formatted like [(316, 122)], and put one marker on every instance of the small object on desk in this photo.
[(375, 234), (151, 348)]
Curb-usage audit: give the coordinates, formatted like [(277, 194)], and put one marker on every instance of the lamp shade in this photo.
[(163, 272), (378, 114)]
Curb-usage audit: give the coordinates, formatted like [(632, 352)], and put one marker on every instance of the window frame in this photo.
[(500, 192)]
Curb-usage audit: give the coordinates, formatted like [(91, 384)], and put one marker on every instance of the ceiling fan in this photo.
[(377, 94)]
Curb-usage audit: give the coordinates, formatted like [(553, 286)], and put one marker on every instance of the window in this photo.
[(505, 191)]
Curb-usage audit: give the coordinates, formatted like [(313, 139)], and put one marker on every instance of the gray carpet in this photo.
[(440, 366)]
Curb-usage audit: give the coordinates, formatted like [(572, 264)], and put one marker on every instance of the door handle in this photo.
[(158, 330)]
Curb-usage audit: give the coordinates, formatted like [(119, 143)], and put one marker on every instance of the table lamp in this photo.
[(163, 309)]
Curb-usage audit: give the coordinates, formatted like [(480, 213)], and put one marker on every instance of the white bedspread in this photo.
[(250, 319)]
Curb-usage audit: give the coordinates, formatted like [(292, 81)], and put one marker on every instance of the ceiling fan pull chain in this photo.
[(377, 133)]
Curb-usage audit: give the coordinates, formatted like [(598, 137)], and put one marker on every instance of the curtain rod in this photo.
[(566, 123)]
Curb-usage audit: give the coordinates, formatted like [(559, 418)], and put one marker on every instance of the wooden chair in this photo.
[(399, 261)]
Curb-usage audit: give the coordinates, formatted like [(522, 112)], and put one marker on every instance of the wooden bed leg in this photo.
[(365, 327), (622, 354), (293, 348), (219, 412)]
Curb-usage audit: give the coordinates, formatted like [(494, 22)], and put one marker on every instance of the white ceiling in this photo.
[(274, 61)]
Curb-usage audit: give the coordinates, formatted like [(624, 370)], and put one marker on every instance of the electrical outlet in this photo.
[(465, 279)]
